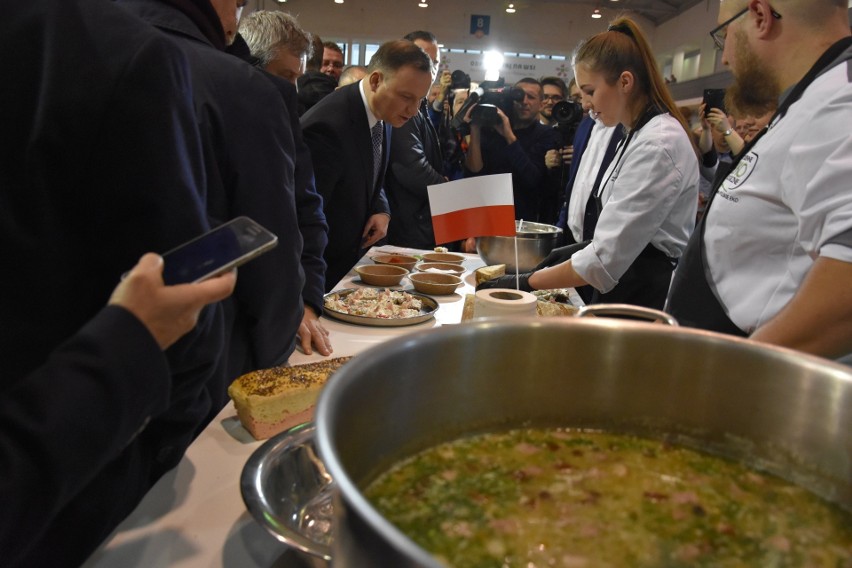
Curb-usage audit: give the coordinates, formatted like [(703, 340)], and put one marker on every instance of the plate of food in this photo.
[(554, 302), (379, 307)]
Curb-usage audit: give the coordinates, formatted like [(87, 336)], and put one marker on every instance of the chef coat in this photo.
[(787, 202), (649, 195)]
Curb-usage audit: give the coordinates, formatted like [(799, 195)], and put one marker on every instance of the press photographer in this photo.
[(555, 91), (566, 116), (506, 137)]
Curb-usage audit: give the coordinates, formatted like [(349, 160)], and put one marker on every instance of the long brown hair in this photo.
[(621, 48)]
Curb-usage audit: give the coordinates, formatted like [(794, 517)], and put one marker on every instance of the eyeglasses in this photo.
[(554, 98), (720, 32)]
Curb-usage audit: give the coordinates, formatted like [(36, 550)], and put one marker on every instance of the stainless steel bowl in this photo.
[(535, 241), (288, 492), (781, 411)]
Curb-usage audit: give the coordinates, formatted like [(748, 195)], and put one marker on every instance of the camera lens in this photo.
[(567, 111)]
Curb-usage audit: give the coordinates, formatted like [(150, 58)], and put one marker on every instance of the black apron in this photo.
[(693, 300), (646, 281)]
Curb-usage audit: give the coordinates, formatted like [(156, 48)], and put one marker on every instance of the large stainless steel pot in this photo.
[(788, 413)]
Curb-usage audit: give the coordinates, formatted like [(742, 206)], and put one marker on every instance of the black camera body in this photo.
[(490, 96), (567, 115), (485, 113), (459, 80)]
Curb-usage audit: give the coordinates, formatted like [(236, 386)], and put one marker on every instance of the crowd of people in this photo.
[(131, 126)]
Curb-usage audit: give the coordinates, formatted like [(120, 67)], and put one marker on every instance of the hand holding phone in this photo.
[(218, 251)]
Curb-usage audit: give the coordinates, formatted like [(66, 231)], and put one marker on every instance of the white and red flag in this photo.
[(473, 207)]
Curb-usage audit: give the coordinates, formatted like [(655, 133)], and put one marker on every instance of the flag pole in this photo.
[(517, 272)]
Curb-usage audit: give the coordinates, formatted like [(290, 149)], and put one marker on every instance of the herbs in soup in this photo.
[(537, 498)]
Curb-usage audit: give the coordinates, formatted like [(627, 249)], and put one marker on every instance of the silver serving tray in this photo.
[(430, 306), (287, 490)]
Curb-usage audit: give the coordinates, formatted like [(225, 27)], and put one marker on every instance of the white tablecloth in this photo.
[(194, 516)]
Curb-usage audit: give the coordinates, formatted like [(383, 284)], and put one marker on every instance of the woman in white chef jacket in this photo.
[(634, 224)]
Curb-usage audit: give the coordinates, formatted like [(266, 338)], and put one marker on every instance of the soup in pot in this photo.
[(537, 497)]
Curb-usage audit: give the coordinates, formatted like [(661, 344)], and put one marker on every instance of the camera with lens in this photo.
[(567, 115), (488, 98)]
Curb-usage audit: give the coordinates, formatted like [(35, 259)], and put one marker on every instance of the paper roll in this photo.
[(503, 302)]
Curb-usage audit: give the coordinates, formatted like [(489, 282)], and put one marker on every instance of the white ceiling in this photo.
[(657, 11)]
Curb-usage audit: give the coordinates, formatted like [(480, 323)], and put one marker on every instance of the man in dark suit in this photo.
[(342, 131), (278, 47), (248, 150), (415, 163), (100, 161)]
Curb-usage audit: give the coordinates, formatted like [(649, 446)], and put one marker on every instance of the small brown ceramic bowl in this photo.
[(381, 274), (440, 268), (446, 257), (403, 260), (434, 283)]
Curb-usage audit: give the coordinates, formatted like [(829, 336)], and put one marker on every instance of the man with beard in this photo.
[(772, 258), (516, 145)]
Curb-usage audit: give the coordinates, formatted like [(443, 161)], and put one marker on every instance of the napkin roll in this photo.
[(503, 302)]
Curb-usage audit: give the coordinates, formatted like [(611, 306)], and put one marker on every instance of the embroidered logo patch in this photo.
[(741, 172)]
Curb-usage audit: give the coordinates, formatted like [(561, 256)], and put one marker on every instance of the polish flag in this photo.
[(472, 207)]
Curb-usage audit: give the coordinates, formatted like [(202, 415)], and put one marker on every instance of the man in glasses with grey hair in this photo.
[(772, 258)]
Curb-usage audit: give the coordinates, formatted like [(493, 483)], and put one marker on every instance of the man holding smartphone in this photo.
[(93, 412)]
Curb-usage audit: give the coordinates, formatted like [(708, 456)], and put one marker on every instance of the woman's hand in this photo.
[(719, 120)]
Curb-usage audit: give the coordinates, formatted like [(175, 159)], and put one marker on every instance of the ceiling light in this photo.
[(597, 14), (423, 5), (511, 9), (338, 1), (492, 61)]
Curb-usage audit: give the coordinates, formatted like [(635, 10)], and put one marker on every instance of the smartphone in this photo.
[(714, 98), (227, 246)]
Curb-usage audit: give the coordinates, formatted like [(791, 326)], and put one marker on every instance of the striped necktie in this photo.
[(377, 134)]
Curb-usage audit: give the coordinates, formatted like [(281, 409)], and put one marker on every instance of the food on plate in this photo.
[(556, 497), (548, 309), (555, 302), (441, 249), (489, 273), (544, 308), (272, 400), (555, 295), (373, 303)]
